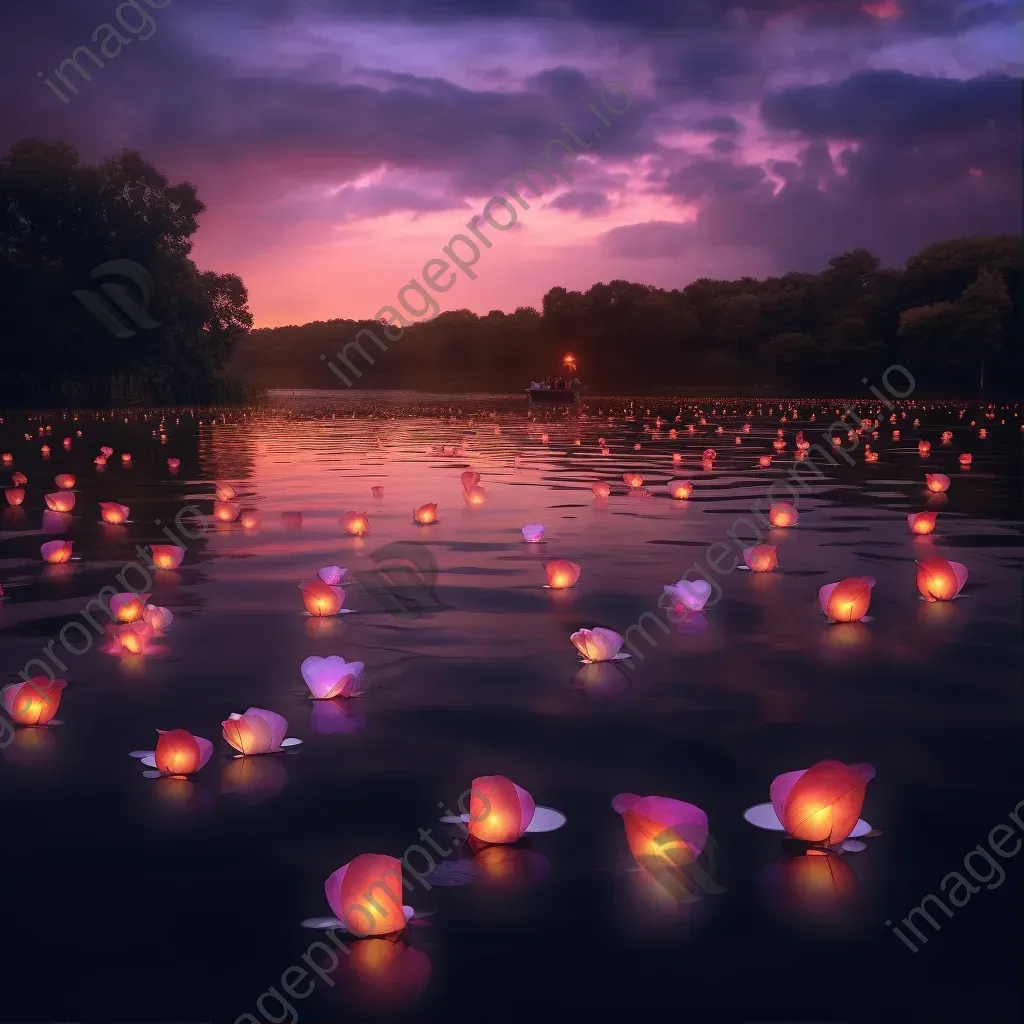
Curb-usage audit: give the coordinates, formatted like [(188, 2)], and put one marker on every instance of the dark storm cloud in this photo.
[(714, 178), (721, 124), (587, 204)]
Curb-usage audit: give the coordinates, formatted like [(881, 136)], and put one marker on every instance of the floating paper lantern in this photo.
[(426, 514), (65, 481), (819, 805), (762, 558), (779, 445), (561, 573), (106, 452), (601, 489), (174, 463), (633, 480), (922, 522), (690, 595), (366, 895), (707, 465), (923, 448), (113, 513), (937, 482), (676, 458), (7, 458), (126, 458), (57, 552), (331, 677), (33, 702), (895, 435), (965, 459), (60, 501), (746, 428), (606, 451), (15, 495), (598, 644), (783, 515), (475, 497), (224, 492), (249, 518), (45, 451), (377, 491), (499, 810), (947, 436), (680, 489), (257, 732), (871, 456), (158, 619), (983, 433), (765, 461), (355, 523), (167, 556), (128, 607), (848, 600), (662, 832), (322, 600), (226, 511), (332, 575), (709, 455), (130, 638), (19, 479), (178, 752), (940, 580), (533, 533), (469, 480)]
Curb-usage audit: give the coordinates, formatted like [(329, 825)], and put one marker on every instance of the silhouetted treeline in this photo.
[(99, 301), (954, 311)]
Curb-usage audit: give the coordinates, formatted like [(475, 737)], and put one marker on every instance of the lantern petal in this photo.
[(149, 760), (526, 807), (612, 640), (763, 816), (324, 924), (205, 750), (780, 788), (332, 887), (545, 819), (960, 571), (277, 724), (824, 593)]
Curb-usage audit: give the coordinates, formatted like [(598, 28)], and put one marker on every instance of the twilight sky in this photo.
[(339, 144)]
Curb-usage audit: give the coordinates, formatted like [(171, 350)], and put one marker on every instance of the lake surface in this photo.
[(137, 899)]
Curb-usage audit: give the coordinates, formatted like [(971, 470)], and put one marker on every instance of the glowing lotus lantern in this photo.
[(765, 461), (33, 702), (598, 644), (126, 458), (746, 428), (7, 458), (129, 638), (322, 600), (226, 511), (940, 580), (680, 489), (739, 440), (106, 452), (113, 513), (19, 479), (332, 575), (257, 732), (937, 482), (57, 552), (45, 451), (819, 805), (783, 515), (677, 458), (965, 459), (707, 465), (633, 480), (923, 448), (469, 480), (895, 435), (871, 456), (662, 832), (709, 455), (848, 600), (921, 522), (167, 556), (15, 495), (174, 463), (690, 595), (158, 619), (947, 436), (983, 433), (65, 481), (366, 895), (60, 501), (128, 607), (502, 812), (249, 518), (601, 489), (561, 573), (606, 451), (533, 533), (426, 514), (778, 445), (761, 558), (224, 492), (355, 523), (331, 677), (178, 752), (475, 497)]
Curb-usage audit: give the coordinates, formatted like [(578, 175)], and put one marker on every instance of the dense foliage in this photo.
[(61, 220), (948, 313)]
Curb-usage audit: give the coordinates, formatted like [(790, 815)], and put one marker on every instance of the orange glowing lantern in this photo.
[(601, 489), (131, 638), (256, 732), (783, 515), (128, 607), (113, 513), (662, 832), (167, 556), (499, 810), (680, 489), (106, 452), (940, 580), (848, 600), (923, 448), (947, 436), (33, 702), (45, 451), (249, 519), (224, 492), (765, 461), (937, 482), (7, 458), (173, 464), (225, 511), (126, 458), (57, 552), (983, 433), (60, 501), (355, 523), (922, 522), (425, 514), (822, 805), (366, 895), (100, 461), (14, 495), (65, 481), (965, 459), (158, 619), (870, 456), (476, 497), (762, 558), (19, 479), (469, 480), (633, 480), (709, 455), (178, 752), (676, 458), (322, 600), (561, 573)]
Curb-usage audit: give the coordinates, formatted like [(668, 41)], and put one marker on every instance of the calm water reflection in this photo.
[(157, 900)]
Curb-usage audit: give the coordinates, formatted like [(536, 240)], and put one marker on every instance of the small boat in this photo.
[(558, 390)]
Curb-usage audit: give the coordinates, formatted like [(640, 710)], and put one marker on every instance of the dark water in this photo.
[(130, 899)]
